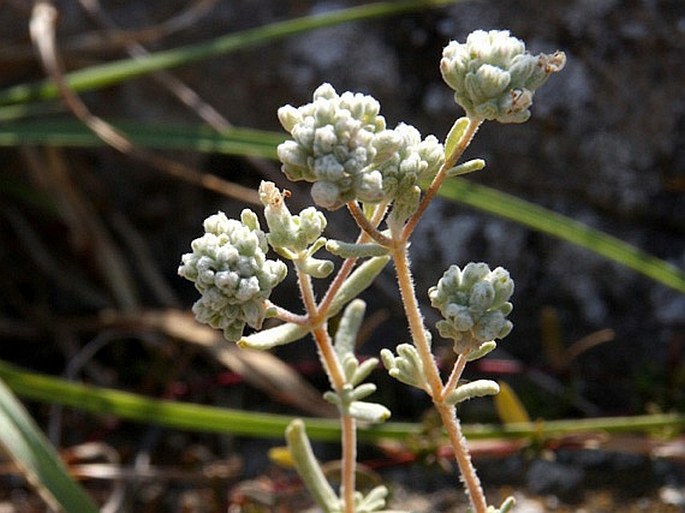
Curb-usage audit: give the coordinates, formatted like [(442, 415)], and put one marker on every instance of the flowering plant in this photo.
[(341, 144)]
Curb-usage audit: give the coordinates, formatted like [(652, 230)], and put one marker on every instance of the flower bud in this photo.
[(341, 144), (493, 75), (334, 146), (295, 233), (229, 268), (474, 305)]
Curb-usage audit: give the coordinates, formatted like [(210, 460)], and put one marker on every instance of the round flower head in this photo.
[(494, 77), (474, 305), (229, 268), (414, 162), (337, 143)]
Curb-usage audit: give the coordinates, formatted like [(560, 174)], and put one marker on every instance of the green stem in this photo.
[(112, 73), (211, 419)]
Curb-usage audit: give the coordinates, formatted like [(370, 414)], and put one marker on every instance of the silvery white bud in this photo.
[(415, 161), (474, 303), (229, 268), (494, 77), (334, 146), (295, 233)]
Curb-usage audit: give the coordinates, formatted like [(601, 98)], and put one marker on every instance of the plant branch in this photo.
[(337, 377), (365, 225), (447, 413), (348, 263), (456, 373), (450, 161)]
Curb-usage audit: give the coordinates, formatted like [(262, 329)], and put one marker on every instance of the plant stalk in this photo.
[(450, 161), (336, 375), (447, 413), (419, 335)]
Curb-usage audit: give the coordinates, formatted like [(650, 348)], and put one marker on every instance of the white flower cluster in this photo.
[(229, 268), (293, 232), (342, 145), (474, 303), (414, 162), (493, 75)]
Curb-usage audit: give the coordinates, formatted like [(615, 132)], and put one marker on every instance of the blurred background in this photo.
[(87, 231)]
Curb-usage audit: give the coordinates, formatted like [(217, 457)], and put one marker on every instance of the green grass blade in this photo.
[(185, 416), (249, 142), (40, 463), (549, 222), (193, 417), (71, 132), (112, 73)]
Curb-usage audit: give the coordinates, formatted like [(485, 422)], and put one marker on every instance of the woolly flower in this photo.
[(229, 268), (342, 145), (494, 77), (415, 161), (474, 305), (333, 146), (294, 232)]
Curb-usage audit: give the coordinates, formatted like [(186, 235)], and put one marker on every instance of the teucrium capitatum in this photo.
[(341, 145)]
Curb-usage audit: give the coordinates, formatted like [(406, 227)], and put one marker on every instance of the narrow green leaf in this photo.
[(72, 133), (547, 221), (454, 135), (186, 416), (104, 75), (249, 142), (40, 463), (194, 417), (309, 469)]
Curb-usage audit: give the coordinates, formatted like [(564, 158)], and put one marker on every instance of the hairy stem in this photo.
[(336, 375), (366, 225), (415, 319), (419, 335), (456, 373), (450, 161), (447, 413)]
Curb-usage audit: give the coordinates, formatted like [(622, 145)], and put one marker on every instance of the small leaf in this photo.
[(316, 267), (479, 388), (348, 328), (484, 349), (374, 500), (466, 168), (309, 469), (509, 407), (352, 250), (454, 136), (369, 412), (358, 281), (362, 391), (363, 370), (272, 337)]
